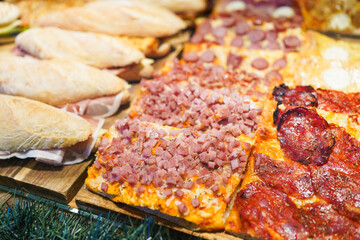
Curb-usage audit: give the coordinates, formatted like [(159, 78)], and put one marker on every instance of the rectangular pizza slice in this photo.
[(302, 179), (268, 68), (186, 105), (181, 173), (324, 62), (267, 25)]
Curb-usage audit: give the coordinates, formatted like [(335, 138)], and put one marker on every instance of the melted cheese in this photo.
[(284, 11), (336, 78), (235, 6), (335, 53), (339, 21)]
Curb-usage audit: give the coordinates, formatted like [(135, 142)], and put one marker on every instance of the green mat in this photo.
[(36, 218)]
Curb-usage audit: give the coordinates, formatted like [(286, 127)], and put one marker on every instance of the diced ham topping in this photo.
[(168, 193), (182, 208), (179, 194), (195, 202), (167, 160), (104, 187), (140, 190)]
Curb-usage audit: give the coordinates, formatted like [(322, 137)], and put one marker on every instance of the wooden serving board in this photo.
[(58, 183)]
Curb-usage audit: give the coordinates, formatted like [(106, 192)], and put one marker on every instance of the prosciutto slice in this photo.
[(97, 107)]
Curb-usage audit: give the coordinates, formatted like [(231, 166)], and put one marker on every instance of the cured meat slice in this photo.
[(292, 42), (98, 107), (304, 96), (291, 178), (265, 210), (305, 136), (322, 221), (338, 181), (339, 102)]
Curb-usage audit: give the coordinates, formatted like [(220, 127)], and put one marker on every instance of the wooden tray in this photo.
[(59, 183)]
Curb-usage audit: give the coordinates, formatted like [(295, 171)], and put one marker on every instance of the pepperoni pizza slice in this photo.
[(267, 25), (302, 179), (181, 173), (270, 68)]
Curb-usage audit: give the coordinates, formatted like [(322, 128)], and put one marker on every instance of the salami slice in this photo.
[(263, 208), (291, 178), (302, 96), (305, 136)]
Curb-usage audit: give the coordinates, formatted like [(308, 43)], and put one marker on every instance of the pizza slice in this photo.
[(252, 25), (181, 173), (328, 63), (302, 179), (190, 106), (269, 68), (332, 16)]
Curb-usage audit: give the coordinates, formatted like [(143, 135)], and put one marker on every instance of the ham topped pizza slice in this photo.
[(302, 179), (191, 106), (182, 173)]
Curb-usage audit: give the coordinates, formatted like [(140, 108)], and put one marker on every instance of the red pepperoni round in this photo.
[(260, 63), (197, 38), (305, 136), (205, 27), (242, 28), (280, 63), (273, 46), (207, 56), (228, 22), (255, 45), (301, 96), (291, 42), (219, 32), (256, 35), (237, 42), (273, 76), (191, 56), (271, 35)]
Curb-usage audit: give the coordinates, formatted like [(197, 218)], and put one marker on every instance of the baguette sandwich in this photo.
[(31, 129), (97, 50), (62, 83), (116, 17)]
